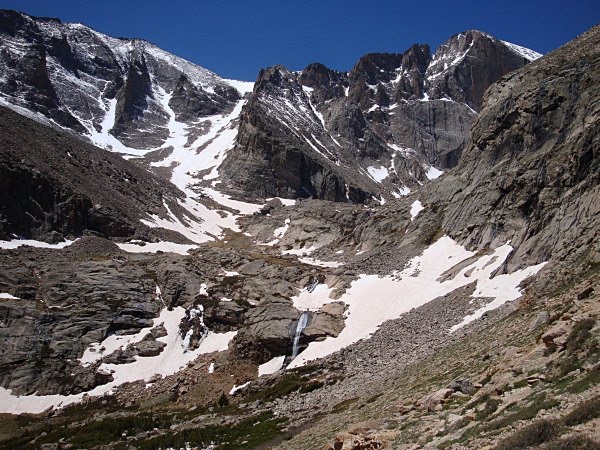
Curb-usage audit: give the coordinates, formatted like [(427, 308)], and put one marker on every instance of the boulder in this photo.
[(549, 337), (430, 402), (465, 386)]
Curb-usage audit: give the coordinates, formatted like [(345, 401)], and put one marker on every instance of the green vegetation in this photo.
[(520, 384), (591, 379), (583, 413), (577, 442), (490, 408), (579, 335), (534, 434), (525, 413), (245, 434), (96, 433), (312, 386), (223, 400), (286, 384)]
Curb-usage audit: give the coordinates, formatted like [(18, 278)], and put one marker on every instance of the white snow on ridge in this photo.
[(526, 53), (15, 243), (372, 300), (243, 87), (7, 296), (415, 209)]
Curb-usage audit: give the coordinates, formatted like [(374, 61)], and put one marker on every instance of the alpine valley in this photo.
[(401, 256)]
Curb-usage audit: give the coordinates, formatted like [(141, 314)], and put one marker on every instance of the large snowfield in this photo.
[(372, 299)]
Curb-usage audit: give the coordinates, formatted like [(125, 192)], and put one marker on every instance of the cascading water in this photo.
[(301, 325)]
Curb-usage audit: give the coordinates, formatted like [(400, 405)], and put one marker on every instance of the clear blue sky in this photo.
[(235, 38)]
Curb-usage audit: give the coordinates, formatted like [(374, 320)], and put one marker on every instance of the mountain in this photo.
[(379, 130), (209, 269), (375, 132)]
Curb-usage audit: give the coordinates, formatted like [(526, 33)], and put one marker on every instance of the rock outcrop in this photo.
[(531, 174), (54, 186)]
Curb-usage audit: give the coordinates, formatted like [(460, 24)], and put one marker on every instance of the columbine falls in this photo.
[(301, 325)]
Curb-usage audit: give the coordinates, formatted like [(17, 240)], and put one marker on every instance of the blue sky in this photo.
[(235, 38)]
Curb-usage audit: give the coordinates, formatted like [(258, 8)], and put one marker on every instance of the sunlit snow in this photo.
[(33, 243), (372, 300), (415, 209), (271, 366)]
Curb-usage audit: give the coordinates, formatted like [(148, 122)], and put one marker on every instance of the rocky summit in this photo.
[(401, 256)]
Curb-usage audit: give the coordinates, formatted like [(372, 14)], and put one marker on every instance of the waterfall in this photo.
[(301, 325)]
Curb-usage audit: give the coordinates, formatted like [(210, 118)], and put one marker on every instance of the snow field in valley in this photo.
[(372, 300)]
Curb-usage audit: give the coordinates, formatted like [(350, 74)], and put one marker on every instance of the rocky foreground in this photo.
[(464, 367)]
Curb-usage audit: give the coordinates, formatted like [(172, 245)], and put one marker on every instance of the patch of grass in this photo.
[(477, 401), (568, 284), (487, 379), (578, 442), (579, 335), (223, 400), (344, 405), (526, 413), (591, 379), (520, 384), (286, 384), (305, 370), (375, 397), (97, 433), (534, 434), (312, 386), (490, 408), (583, 413), (568, 365), (562, 384), (246, 434), (243, 303)]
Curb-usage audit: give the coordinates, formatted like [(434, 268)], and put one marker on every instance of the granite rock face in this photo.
[(64, 303), (374, 131), (531, 173), (74, 77), (51, 191)]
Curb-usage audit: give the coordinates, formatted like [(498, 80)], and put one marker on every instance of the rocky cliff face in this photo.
[(531, 173), (54, 186), (377, 130), (73, 77)]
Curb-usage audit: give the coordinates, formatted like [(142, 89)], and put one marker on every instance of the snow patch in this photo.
[(16, 243), (271, 366), (415, 209), (153, 247), (314, 299), (235, 388), (433, 173), (169, 361), (372, 300), (378, 173)]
